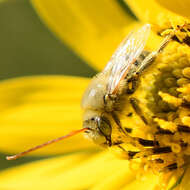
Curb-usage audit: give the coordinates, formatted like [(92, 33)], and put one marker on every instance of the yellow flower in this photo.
[(49, 106)]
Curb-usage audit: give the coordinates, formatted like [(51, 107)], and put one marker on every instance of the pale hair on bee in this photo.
[(105, 97)]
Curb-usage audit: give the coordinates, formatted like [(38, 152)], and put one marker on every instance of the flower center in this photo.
[(161, 141), (169, 102)]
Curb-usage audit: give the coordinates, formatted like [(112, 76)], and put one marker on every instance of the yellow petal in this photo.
[(180, 7), (149, 182), (93, 29), (143, 9), (148, 11), (37, 109), (116, 180), (185, 183), (59, 173), (40, 170)]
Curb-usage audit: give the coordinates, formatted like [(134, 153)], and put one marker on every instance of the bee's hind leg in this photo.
[(139, 111), (149, 59)]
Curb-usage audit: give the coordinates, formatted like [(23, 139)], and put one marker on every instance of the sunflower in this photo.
[(93, 31)]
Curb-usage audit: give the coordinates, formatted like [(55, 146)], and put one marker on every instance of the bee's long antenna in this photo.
[(14, 157)]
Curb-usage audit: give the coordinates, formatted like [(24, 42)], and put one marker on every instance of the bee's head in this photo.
[(99, 129)]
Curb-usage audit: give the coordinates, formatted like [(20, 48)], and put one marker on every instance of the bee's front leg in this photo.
[(139, 111), (147, 62), (149, 59), (118, 122)]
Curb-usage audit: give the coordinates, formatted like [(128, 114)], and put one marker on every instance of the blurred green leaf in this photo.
[(27, 47)]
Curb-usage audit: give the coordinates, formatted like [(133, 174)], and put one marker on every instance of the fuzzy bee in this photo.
[(110, 90)]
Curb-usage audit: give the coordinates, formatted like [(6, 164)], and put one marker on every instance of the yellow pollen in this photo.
[(186, 120), (163, 120), (175, 148), (170, 99), (167, 125), (186, 72), (185, 89)]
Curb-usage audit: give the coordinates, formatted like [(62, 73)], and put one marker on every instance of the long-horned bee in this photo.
[(108, 92)]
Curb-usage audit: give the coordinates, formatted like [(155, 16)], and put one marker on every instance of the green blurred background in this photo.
[(28, 47)]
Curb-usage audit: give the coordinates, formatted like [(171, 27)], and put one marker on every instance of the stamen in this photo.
[(164, 131), (183, 128), (161, 150), (148, 142)]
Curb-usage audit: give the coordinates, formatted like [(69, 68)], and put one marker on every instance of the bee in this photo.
[(109, 91), (106, 96)]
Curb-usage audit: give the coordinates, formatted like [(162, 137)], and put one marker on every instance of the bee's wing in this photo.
[(125, 56)]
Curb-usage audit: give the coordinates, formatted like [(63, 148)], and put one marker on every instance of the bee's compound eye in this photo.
[(98, 129)]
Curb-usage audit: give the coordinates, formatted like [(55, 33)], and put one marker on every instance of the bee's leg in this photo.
[(126, 131), (151, 57), (117, 121), (135, 104)]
